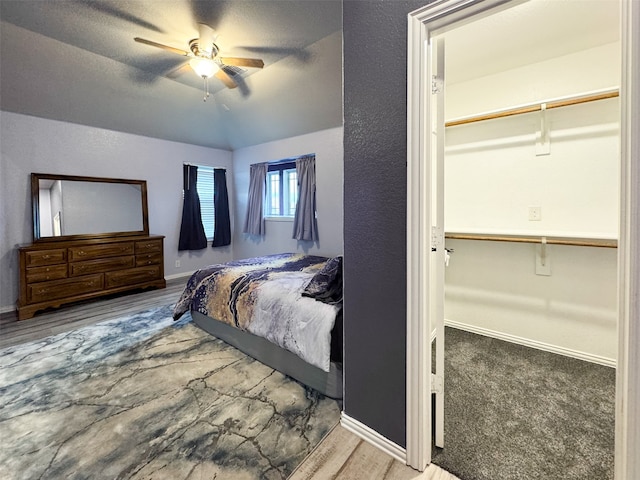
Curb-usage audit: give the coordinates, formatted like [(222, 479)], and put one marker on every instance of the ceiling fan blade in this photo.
[(299, 54), (236, 74), (243, 62), (119, 13), (150, 69), (164, 47), (226, 79), (179, 70)]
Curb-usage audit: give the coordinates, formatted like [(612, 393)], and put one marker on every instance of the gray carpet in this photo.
[(144, 397), (516, 413)]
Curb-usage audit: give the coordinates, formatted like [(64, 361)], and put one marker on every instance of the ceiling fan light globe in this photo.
[(204, 67)]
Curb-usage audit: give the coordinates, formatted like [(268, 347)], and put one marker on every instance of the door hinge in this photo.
[(437, 238), (437, 85), (436, 384)]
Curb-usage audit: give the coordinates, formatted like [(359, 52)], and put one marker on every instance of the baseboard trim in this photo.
[(178, 275), (8, 309), (374, 438), (547, 347)]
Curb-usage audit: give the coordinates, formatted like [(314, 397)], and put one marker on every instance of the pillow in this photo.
[(326, 285)]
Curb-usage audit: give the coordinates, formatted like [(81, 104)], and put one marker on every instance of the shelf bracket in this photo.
[(543, 146)]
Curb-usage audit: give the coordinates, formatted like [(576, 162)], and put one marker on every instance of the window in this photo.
[(282, 190), (205, 192)]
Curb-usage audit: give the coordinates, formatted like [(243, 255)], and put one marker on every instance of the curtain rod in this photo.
[(550, 240), (536, 107), (210, 166), (290, 159)]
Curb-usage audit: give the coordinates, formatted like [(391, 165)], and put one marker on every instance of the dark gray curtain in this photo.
[(192, 236), (305, 224), (222, 229), (254, 222)]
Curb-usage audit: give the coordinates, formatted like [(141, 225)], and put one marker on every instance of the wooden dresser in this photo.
[(56, 273)]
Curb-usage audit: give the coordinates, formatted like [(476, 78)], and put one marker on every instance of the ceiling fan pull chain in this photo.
[(206, 88)]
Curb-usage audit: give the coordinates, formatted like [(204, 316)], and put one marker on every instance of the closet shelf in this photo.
[(536, 107), (550, 240)]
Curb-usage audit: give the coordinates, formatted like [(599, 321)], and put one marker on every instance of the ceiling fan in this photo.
[(205, 59)]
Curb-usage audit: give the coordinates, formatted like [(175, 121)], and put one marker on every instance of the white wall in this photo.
[(30, 144), (593, 69), (493, 286), (493, 176), (575, 185), (328, 148)]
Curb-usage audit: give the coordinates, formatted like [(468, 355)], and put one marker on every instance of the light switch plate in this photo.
[(535, 214)]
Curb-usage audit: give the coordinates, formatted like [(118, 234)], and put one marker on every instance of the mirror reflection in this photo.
[(68, 207)]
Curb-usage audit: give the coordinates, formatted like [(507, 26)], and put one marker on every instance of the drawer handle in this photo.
[(46, 257), (43, 290)]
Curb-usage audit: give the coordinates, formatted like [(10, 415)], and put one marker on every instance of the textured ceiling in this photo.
[(529, 32), (76, 61)]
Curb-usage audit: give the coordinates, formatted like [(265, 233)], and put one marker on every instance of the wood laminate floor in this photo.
[(70, 317), (344, 456), (341, 455)]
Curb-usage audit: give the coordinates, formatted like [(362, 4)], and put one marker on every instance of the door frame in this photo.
[(436, 17)]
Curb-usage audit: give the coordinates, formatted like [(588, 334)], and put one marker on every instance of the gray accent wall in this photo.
[(375, 152)]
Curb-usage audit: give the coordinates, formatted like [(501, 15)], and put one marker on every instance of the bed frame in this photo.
[(327, 383)]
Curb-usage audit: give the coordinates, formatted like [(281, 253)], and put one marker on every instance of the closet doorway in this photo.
[(426, 200)]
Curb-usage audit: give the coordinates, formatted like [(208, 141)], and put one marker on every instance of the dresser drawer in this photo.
[(42, 274), (148, 259), (44, 291), (89, 252), (45, 257), (132, 276), (101, 265), (149, 246), (58, 272)]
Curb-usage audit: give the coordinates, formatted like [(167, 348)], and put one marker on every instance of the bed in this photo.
[(284, 310)]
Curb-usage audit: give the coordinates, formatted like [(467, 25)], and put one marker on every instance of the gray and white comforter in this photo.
[(273, 297)]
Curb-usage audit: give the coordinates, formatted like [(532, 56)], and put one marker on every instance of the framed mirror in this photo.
[(67, 207)]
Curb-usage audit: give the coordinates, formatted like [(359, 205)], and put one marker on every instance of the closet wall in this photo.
[(560, 297)]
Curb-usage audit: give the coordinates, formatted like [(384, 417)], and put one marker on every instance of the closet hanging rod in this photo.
[(579, 242), (564, 102)]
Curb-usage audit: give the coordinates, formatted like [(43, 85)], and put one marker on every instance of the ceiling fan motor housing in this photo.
[(195, 48)]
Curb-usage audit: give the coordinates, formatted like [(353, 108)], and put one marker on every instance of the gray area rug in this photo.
[(516, 413), (146, 397)]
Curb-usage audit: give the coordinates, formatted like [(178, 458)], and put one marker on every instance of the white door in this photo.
[(425, 218), (436, 293)]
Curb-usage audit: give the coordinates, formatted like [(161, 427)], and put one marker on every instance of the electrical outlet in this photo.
[(177, 263), (535, 214)]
